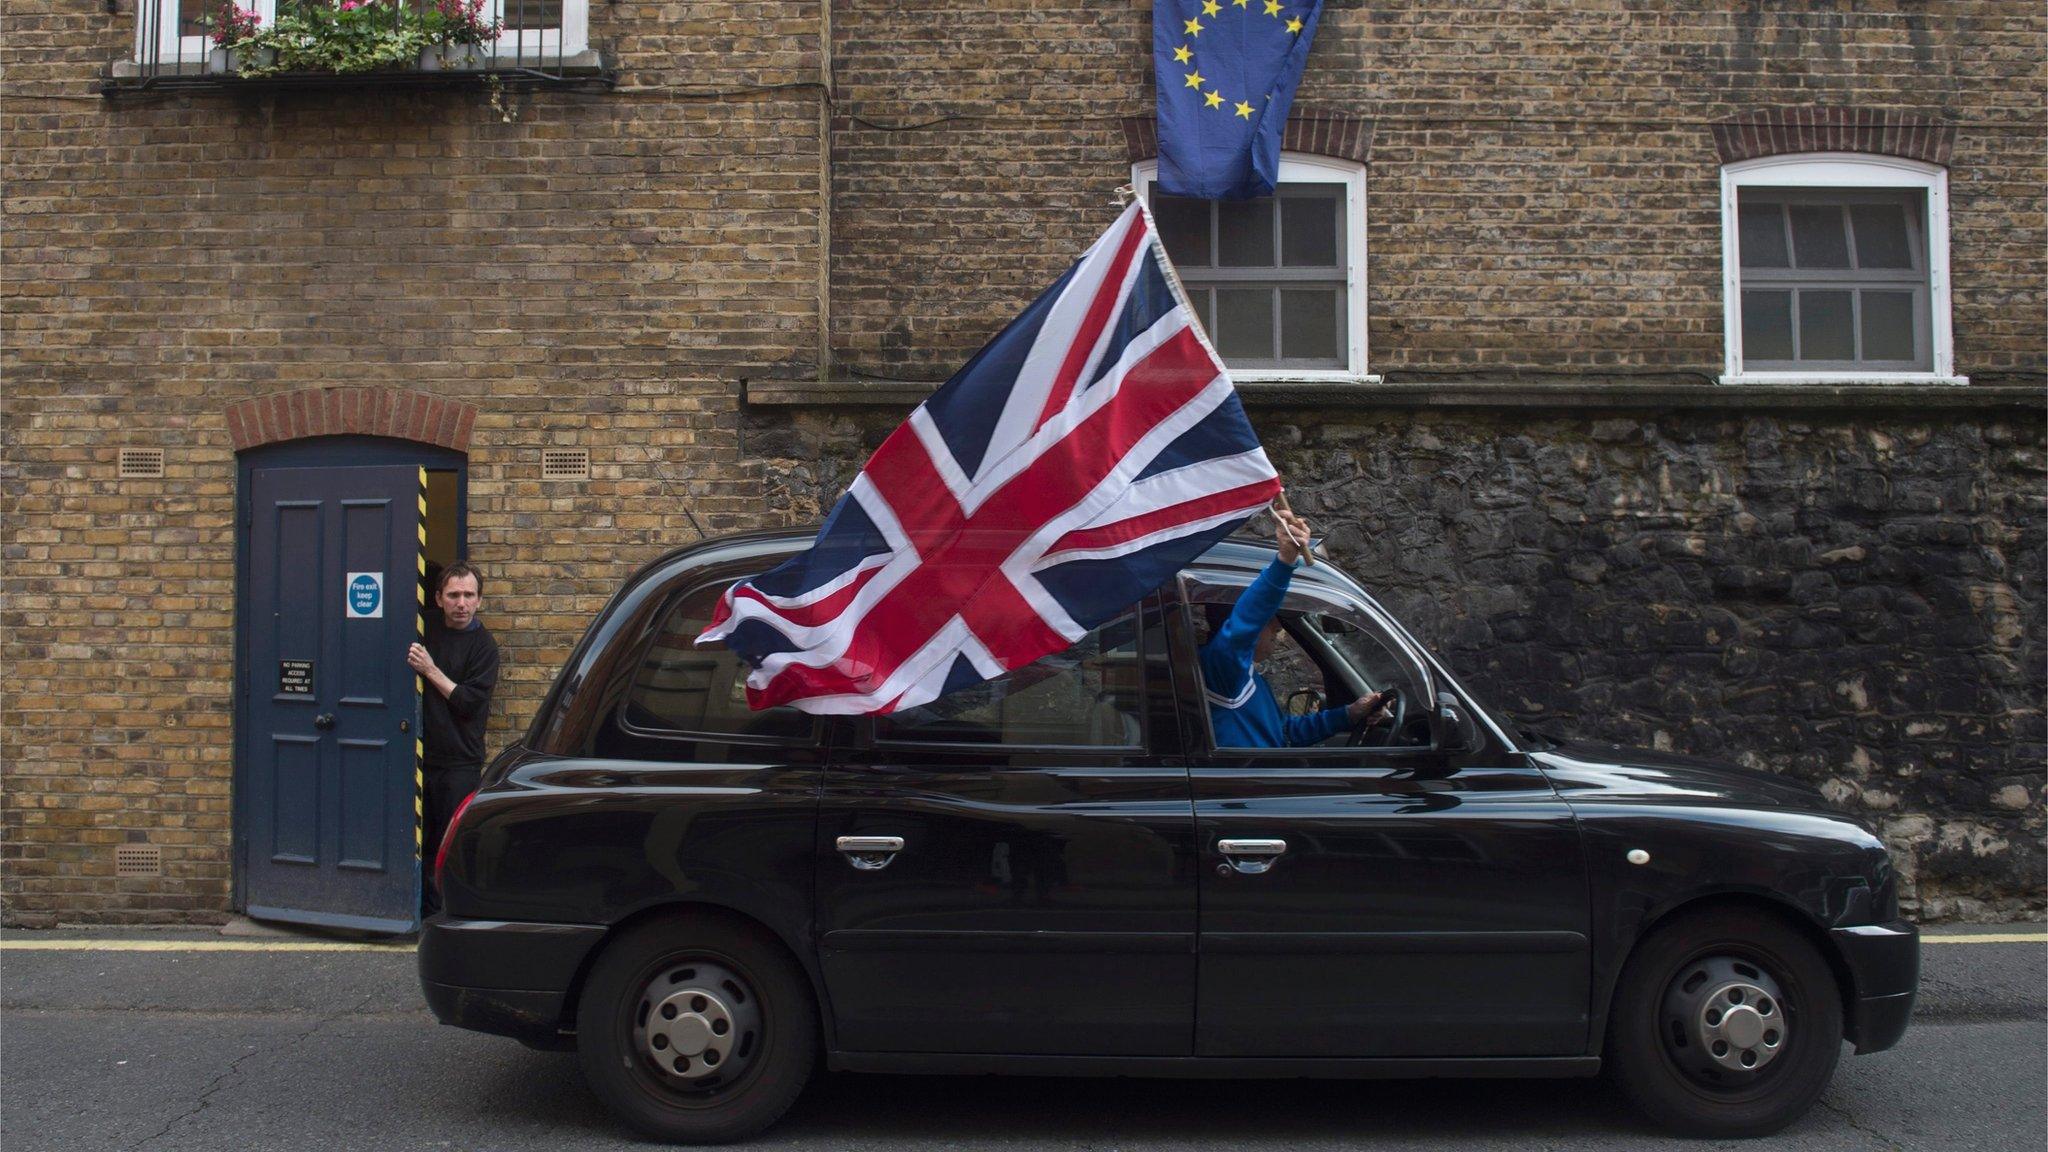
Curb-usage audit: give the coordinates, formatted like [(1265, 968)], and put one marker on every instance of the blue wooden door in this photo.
[(331, 826)]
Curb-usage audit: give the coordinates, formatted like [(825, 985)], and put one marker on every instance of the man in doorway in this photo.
[(459, 663), (1242, 708)]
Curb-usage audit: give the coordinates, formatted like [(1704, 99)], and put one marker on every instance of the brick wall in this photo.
[(605, 269), (598, 271), (1543, 191)]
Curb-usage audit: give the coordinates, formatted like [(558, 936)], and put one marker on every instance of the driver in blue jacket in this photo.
[(1241, 704)]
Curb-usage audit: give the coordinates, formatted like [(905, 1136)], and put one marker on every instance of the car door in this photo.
[(1011, 869), (1398, 901)]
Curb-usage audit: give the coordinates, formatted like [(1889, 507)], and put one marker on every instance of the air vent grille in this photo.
[(142, 463), (565, 464), (138, 860)]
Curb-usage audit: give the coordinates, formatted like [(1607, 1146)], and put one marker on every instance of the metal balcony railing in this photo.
[(174, 51)]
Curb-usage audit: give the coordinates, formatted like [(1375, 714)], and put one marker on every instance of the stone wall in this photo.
[(1854, 602)]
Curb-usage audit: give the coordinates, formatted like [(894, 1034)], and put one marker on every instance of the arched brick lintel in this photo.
[(392, 412), (1783, 131), (1309, 130)]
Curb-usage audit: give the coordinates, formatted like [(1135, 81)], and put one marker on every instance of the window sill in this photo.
[(1847, 379), (129, 77), (1252, 380)]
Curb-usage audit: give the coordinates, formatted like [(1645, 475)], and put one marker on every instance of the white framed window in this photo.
[(1278, 282), (1835, 271), (176, 31)]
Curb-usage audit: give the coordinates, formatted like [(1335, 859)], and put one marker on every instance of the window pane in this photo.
[(1308, 230), (1308, 324), (1763, 236), (681, 687), (1824, 332), (1091, 695), (1184, 228), (192, 15), (1817, 237), (1244, 233), (1881, 236), (1766, 326), (1888, 325), (531, 15), (1244, 323)]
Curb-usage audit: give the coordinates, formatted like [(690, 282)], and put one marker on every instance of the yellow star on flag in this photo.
[(1194, 26), (1240, 3), (1181, 55), (1244, 111), (1294, 25), (1272, 7), (1212, 99), (1211, 8), (1196, 80)]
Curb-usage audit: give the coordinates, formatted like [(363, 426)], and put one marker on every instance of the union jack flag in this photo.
[(1087, 453)]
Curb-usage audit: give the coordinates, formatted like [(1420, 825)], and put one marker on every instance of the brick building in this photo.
[(1781, 503)]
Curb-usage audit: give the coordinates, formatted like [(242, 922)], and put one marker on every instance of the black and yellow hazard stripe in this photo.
[(419, 683)]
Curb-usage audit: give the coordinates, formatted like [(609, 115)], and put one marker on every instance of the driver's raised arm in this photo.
[(1227, 657)]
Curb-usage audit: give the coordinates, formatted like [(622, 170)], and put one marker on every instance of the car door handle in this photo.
[(1249, 857), (870, 853)]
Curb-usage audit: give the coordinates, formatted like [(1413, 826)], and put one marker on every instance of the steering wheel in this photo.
[(1361, 732)]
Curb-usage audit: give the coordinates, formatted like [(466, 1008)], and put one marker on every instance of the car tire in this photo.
[(1727, 1023), (697, 1029)]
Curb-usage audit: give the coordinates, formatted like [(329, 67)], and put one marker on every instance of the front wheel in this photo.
[(696, 1030), (1726, 1023)]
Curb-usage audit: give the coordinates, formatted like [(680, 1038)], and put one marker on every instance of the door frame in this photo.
[(312, 452)]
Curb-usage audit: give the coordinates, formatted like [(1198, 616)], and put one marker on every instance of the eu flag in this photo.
[(1226, 72)]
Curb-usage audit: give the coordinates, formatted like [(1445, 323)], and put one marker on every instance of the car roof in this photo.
[(1236, 557), (1234, 551)]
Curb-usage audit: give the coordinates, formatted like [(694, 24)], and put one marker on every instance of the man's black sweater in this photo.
[(453, 727)]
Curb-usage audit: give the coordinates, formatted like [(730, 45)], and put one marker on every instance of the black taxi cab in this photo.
[(1060, 872)]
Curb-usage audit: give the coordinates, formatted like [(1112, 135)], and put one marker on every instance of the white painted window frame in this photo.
[(569, 40), (1300, 167), (1843, 171)]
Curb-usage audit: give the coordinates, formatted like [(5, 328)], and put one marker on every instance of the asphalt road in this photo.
[(103, 1049)]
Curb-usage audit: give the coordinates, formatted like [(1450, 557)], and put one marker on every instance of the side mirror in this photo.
[(1304, 702), (1459, 732)]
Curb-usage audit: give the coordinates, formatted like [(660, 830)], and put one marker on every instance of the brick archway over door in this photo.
[(393, 412)]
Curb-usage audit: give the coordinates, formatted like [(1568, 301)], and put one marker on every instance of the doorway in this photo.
[(334, 539)]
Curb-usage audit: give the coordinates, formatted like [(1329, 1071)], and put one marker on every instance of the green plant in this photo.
[(357, 35)]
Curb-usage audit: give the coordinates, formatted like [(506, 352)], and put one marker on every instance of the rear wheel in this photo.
[(1726, 1023), (696, 1030)]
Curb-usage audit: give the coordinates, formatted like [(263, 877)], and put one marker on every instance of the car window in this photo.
[(1091, 695), (680, 687), (1328, 654)]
